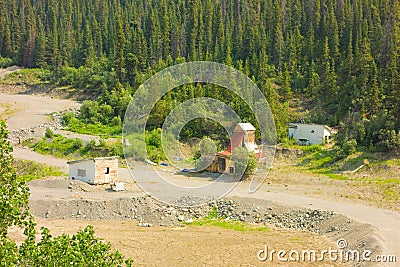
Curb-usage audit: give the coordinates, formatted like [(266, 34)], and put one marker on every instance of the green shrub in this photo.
[(136, 150), (390, 139), (6, 62), (29, 170), (346, 148), (245, 162), (116, 121), (312, 148), (49, 133), (155, 154), (77, 143), (68, 117), (60, 146)]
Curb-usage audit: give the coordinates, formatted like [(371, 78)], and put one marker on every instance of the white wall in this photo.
[(314, 133), (89, 166)]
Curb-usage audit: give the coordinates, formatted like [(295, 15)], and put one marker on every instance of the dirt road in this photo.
[(26, 111)]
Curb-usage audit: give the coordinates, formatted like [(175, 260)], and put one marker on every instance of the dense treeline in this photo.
[(341, 56)]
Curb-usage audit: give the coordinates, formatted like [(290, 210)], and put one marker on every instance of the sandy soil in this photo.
[(194, 245)]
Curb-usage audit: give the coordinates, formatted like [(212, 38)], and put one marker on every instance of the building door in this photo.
[(222, 164), (107, 175)]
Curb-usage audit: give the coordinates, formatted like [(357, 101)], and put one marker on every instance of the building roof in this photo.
[(224, 153), (247, 126), (92, 159), (309, 124)]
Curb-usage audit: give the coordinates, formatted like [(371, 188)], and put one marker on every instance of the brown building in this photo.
[(95, 170), (243, 136)]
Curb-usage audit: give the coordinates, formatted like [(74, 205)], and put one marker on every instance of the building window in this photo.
[(81, 173), (107, 170)]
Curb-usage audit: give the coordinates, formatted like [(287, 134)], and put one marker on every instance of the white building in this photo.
[(310, 134), (94, 170)]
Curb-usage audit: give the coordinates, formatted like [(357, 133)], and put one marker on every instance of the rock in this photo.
[(189, 221), (145, 224), (181, 218)]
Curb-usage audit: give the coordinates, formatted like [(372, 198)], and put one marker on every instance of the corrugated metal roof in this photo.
[(247, 126), (92, 159), (295, 124)]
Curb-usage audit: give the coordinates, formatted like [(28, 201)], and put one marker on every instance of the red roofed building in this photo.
[(243, 136)]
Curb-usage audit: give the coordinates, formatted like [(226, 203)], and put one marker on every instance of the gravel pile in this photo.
[(191, 201), (149, 212), (17, 136), (302, 219), (142, 209)]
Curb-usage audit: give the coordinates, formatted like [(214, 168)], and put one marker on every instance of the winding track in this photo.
[(36, 110)]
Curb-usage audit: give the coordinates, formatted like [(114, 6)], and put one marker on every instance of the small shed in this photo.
[(95, 170), (309, 133)]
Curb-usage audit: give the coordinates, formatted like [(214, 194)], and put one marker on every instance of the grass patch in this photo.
[(319, 161), (306, 149), (326, 163), (387, 181), (335, 176), (213, 220), (59, 146), (97, 129), (391, 194), (29, 170), (7, 112), (62, 147), (392, 162), (232, 225), (26, 76)]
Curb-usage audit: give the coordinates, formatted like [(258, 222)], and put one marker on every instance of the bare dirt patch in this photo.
[(194, 245), (367, 187), (32, 110)]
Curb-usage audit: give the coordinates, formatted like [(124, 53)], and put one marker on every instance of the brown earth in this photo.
[(194, 245)]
